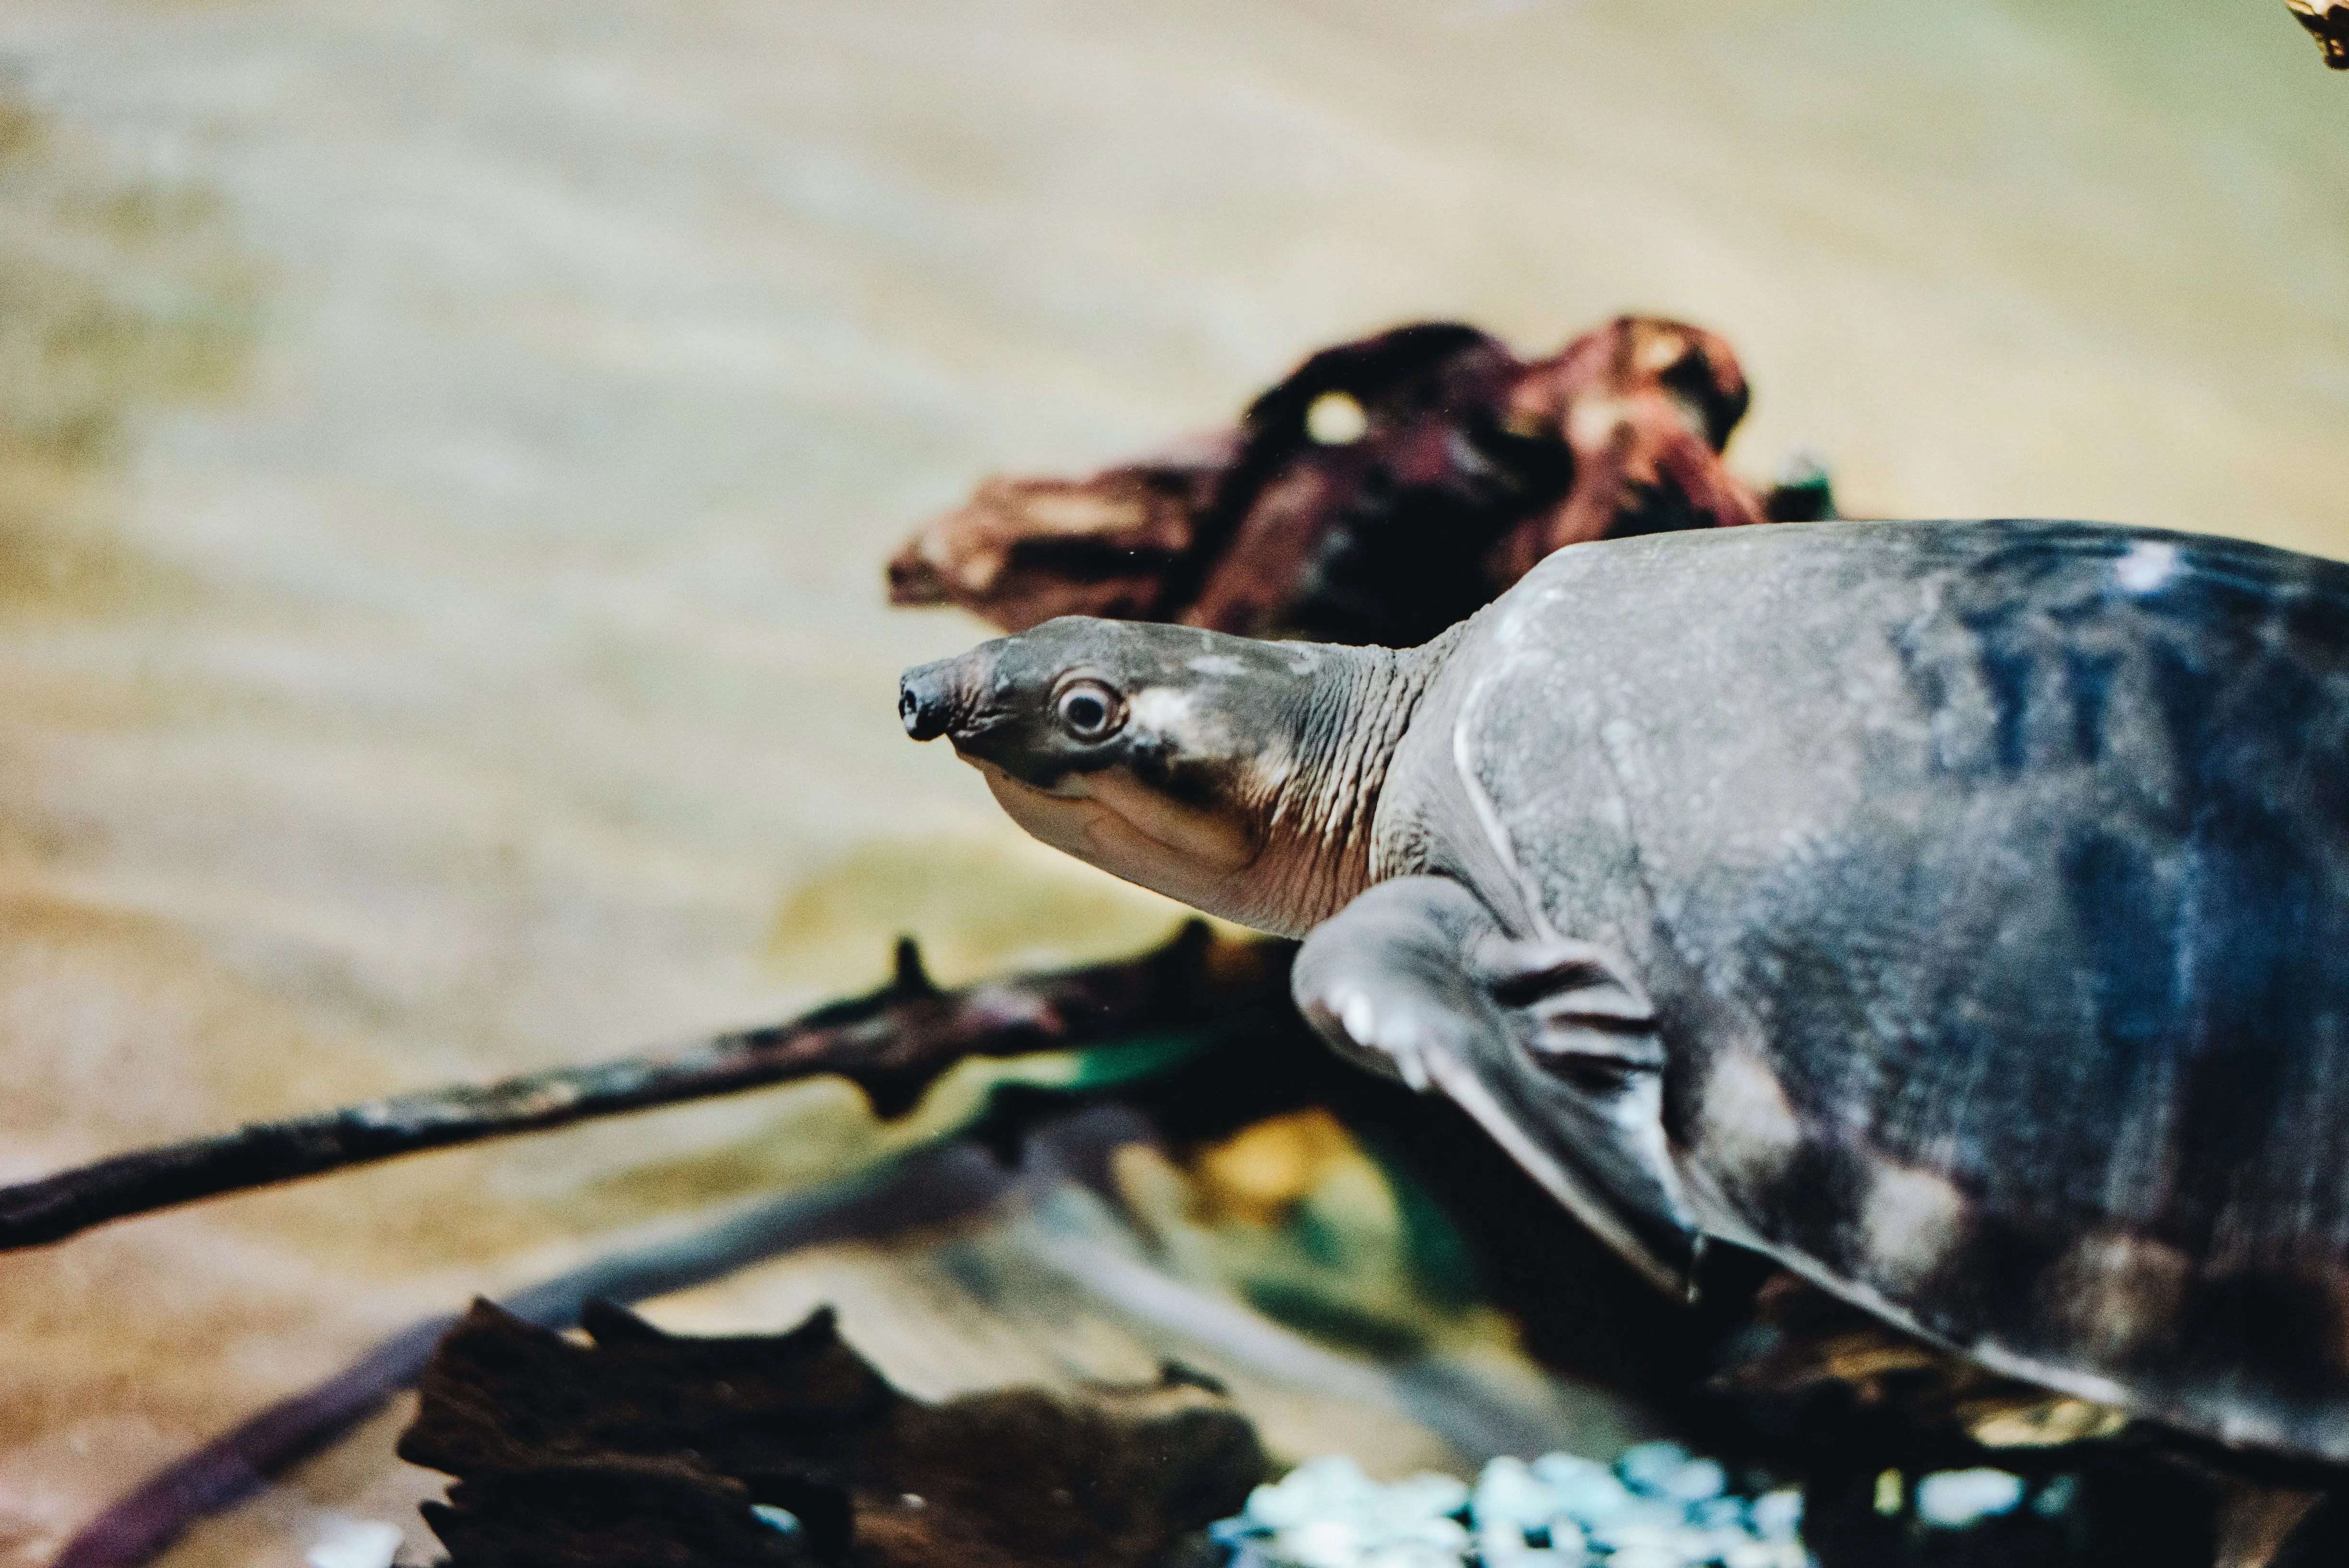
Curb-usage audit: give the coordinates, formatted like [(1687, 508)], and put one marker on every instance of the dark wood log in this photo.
[(1384, 489), (937, 1184), (893, 1044), (2327, 22), (636, 1446)]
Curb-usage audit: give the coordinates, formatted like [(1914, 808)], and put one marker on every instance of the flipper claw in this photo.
[(1551, 1045)]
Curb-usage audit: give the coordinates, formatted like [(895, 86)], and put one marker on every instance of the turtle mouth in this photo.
[(1064, 791), (1111, 820)]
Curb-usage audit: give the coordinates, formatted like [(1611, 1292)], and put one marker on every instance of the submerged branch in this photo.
[(893, 1044)]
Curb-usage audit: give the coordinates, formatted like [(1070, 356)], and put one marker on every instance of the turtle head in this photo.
[(1190, 762)]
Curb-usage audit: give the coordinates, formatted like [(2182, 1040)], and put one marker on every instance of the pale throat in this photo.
[(1205, 858)]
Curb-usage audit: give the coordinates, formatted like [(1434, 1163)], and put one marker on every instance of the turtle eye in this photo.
[(1088, 710)]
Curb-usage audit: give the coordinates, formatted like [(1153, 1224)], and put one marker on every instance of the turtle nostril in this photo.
[(922, 704)]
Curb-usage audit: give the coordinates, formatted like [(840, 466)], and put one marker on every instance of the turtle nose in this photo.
[(926, 699)]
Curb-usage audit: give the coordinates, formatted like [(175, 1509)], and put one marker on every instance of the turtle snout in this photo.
[(927, 698)]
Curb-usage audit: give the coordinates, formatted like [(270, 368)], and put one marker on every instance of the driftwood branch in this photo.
[(893, 1044), (1385, 489), (934, 1185)]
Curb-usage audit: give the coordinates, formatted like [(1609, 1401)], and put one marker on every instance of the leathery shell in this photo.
[(1991, 882)]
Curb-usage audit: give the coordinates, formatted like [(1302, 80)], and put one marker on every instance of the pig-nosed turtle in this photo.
[(1956, 913)]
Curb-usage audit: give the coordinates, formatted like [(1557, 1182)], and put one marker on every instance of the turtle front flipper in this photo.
[(1550, 1045)]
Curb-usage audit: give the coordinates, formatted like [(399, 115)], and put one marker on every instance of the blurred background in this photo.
[(447, 452)]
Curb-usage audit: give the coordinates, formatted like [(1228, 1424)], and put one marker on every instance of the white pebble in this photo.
[(1323, 1544), (1777, 1515), (1647, 1467), (1955, 1499), (1442, 1534), (1767, 1554), (1584, 1491), (1411, 1554), (1648, 1557), (1503, 1546), (1509, 1493), (1566, 1539), (1694, 1482), (1314, 1489), (1640, 1531), (1657, 1507), (1424, 1496), (1707, 1545), (354, 1543)]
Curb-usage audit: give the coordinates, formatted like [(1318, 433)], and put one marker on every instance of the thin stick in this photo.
[(893, 1044)]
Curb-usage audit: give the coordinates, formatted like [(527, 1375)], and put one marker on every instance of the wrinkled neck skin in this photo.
[(1316, 851), (1281, 840)]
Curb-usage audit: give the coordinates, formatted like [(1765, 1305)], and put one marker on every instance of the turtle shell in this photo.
[(1991, 882)]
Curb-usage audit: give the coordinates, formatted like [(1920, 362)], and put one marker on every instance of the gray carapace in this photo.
[(1957, 912)]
